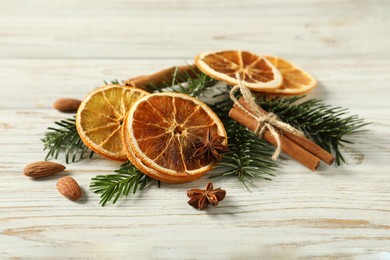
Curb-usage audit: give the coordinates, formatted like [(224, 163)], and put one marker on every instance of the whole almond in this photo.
[(67, 105), (42, 169), (68, 187)]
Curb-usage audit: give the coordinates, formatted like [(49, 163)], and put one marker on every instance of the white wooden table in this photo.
[(51, 49)]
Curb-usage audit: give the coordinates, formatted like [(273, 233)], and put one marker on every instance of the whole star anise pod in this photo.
[(201, 199), (211, 147)]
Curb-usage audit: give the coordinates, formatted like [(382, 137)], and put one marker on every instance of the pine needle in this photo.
[(324, 124), (184, 83), (65, 139), (127, 179), (113, 82), (249, 156)]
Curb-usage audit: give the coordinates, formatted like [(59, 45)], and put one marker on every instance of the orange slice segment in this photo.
[(295, 80), (162, 132), (100, 116), (138, 162), (256, 72)]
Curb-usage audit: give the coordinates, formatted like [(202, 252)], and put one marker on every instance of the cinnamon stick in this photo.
[(288, 146), (163, 77), (309, 145)]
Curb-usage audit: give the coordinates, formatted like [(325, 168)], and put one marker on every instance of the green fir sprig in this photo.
[(183, 82), (127, 179), (249, 156), (193, 86), (324, 124), (113, 82), (65, 139)]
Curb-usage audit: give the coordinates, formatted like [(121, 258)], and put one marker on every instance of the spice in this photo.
[(200, 199), (287, 145), (211, 147), (307, 144), (164, 77)]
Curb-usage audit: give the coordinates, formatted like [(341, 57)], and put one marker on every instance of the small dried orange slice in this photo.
[(100, 116), (295, 80), (256, 72), (162, 133)]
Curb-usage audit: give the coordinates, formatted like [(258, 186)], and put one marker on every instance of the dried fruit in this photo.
[(295, 80), (200, 199), (42, 169), (211, 147), (68, 187), (69, 105), (100, 116), (256, 72), (161, 134)]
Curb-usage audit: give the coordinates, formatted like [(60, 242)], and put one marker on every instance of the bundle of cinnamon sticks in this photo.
[(298, 147)]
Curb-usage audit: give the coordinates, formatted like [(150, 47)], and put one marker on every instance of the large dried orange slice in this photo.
[(100, 116), (256, 72), (164, 133), (295, 80)]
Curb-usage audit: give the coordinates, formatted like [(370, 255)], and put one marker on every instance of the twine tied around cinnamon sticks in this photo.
[(264, 120)]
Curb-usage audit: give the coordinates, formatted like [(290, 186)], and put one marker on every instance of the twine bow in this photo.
[(264, 120)]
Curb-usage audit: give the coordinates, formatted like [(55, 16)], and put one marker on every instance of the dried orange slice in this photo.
[(295, 80), (256, 72), (100, 116), (163, 133)]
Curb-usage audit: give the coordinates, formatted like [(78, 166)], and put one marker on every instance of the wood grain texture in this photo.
[(54, 49)]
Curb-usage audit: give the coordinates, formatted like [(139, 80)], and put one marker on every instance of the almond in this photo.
[(42, 169), (67, 104), (68, 187)]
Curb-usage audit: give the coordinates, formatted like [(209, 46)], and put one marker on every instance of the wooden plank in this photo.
[(181, 29), (37, 83)]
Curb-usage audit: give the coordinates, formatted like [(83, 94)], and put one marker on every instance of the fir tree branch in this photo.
[(113, 82), (184, 83), (324, 124), (249, 156), (196, 86), (113, 186), (66, 139)]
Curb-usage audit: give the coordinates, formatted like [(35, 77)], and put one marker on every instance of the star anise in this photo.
[(201, 199), (211, 147)]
